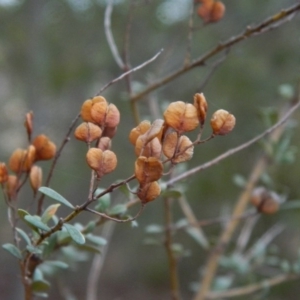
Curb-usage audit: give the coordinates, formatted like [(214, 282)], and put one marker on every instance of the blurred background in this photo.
[(54, 55)]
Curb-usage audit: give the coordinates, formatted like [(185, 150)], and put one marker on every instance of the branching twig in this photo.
[(266, 25)]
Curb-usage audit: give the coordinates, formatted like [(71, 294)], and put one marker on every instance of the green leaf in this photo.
[(75, 234), (88, 248), (33, 249), (103, 204), (58, 264), (40, 286), (22, 214), (154, 228), (56, 196), (49, 212), (24, 235), (198, 236), (96, 239), (89, 227), (12, 249), (118, 209), (36, 222)]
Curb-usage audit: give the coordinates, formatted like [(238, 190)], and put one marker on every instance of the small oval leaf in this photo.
[(49, 212), (75, 234), (36, 222), (96, 239), (24, 235), (12, 249), (56, 196), (118, 209)]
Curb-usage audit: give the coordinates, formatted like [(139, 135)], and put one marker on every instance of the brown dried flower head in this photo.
[(149, 192), (112, 118), (21, 160), (222, 122), (265, 201), (3, 173), (152, 148), (87, 132), (181, 116), (45, 148), (35, 176), (201, 106), (148, 169), (29, 124), (103, 162), (185, 150), (87, 106)]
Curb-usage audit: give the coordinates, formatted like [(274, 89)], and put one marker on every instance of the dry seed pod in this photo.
[(98, 112), (21, 160), (35, 176), (87, 106), (265, 201), (201, 106), (181, 116), (149, 192), (204, 11), (104, 143), (217, 12), (103, 162), (45, 148), (3, 172), (148, 169), (12, 185), (28, 124), (109, 132), (137, 131), (112, 119), (222, 122), (153, 148), (87, 132), (169, 147)]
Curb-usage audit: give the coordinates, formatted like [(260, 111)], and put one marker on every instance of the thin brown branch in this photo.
[(54, 162), (147, 62), (262, 27), (236, 149), (250, 289), (109, 35)]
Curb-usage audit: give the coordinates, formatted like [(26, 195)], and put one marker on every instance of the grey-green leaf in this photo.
[(24, 235), (75, 234), (118, 209), (36, 222), (12, 249), (56, 196), (96, 239)]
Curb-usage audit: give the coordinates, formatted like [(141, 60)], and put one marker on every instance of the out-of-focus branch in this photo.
[(109, 36), (269, 24), (250, 289)]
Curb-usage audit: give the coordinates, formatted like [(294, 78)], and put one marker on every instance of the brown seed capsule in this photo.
[(217, 12), (3, 173), (98, 112), (185, 150), (21, 160), (152, 148), (87, 106), (181, 116), (12, 185), (222, 122), (87, 132), (103, 162), (112, 118), (149, 192), (265, 201), (148, 169), (28, 124), (45, 148), (204, 11), (104, 143), (35, 176), (137, 131), (109, 132), (201, 106)]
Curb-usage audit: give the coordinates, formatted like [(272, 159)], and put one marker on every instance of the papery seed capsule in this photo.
[(98, 112), (3, 173), (29, 124), (112, 118), (12, 185), (137, 131), (201, 106), (148, 169), (152, 148), (87, 106), (87, 132), (45, 148), (104, 143), (217, 12), (181, 116), (265, 201), (35, 177), (21, 160), (149, 192), (222, 122)]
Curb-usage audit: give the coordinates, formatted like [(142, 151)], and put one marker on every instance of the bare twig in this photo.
[(109, 36), (234, 150), (250, 289), (147, 62), (266, 25)]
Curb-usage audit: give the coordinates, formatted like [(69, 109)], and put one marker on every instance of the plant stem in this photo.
[(174, 280)]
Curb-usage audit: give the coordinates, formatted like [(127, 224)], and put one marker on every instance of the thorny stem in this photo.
[(266, 25)]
